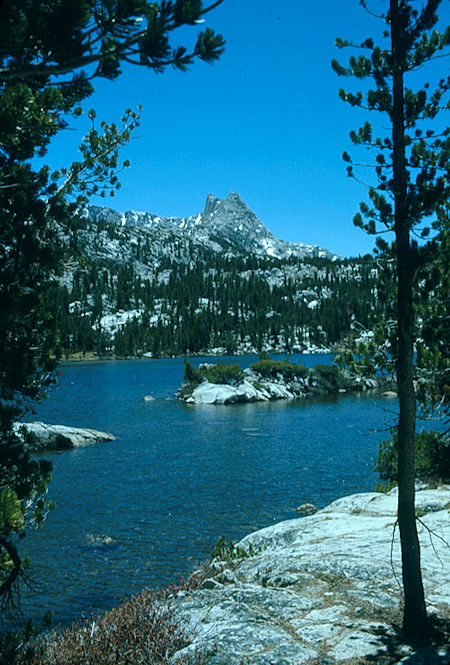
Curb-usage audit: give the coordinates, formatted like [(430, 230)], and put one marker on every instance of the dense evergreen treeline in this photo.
[(191, 299)]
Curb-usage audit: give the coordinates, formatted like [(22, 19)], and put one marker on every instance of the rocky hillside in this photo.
[(140, 284), (225, 225)]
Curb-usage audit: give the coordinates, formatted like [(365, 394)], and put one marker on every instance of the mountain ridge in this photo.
[(139, 284), (225, 225)]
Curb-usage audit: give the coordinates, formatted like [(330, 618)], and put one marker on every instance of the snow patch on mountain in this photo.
[(225, 225)]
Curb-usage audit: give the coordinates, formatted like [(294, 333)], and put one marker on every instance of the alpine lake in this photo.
[(145, 509)]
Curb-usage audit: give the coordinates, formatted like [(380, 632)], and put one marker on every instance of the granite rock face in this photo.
[(255, 388), (320, 589), (60, 437), (225, 225), (216, 393)]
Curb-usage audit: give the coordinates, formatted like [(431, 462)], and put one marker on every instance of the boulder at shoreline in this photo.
[(321, 588), (58, 437)]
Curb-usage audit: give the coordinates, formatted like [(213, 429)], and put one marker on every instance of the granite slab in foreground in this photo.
[(322, 589), (59, 437)]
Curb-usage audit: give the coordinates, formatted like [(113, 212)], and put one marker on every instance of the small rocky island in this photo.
[(267, 379), (39, 437)]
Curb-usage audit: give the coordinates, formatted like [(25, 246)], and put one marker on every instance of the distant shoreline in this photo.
[(90, 357)]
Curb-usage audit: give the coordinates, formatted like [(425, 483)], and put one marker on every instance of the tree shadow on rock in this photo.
[(395, 649)]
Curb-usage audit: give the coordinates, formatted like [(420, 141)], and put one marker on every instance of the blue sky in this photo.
[(265, 121)]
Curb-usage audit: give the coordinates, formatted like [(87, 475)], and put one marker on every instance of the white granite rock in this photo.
[(214, 393), (60, 437), (321, 587), (247, 391), (257, 388)]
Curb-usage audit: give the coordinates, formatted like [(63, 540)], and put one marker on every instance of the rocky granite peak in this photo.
[(211, 204), (225, 225)]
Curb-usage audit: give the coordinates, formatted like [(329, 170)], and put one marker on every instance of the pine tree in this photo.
[(412, 165), (51, 53)]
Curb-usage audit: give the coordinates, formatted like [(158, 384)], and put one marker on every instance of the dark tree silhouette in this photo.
[(51, 53), (412, 167)]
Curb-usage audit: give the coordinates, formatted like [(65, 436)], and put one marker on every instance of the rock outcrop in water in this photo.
[(254, 387), (40, 436), (320, 589), (216, 393)]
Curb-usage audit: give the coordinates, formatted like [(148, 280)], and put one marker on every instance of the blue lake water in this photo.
[(179, 476)]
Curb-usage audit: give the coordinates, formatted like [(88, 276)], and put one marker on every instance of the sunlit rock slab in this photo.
[(60, 437), (325, 586)]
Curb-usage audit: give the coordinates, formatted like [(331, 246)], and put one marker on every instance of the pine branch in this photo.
[(433, 533), (392, 558), (7, 586)]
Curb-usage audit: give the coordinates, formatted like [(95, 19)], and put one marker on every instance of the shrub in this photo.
[(230, 373), (227, 550), (12, 643), (432, 458), (329, 377), (270, 368), (140, 631)]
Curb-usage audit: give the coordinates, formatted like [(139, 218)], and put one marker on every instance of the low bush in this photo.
[(12, 644), (227, 550), (432, 458), (271, 368), (229, 373), (329, 377), (141, 631)]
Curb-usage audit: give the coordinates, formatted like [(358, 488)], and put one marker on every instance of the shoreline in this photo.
[(90, 357), (268, 380), (294, 590)]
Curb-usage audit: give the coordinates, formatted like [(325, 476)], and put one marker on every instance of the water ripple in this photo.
[(177, 478)]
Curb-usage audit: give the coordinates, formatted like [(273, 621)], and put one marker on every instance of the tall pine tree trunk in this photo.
[(415, 624)]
